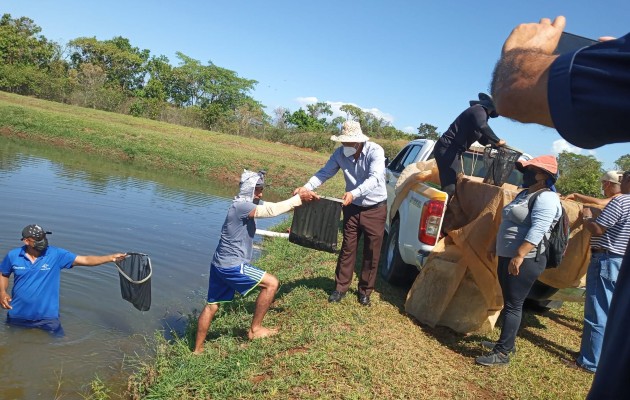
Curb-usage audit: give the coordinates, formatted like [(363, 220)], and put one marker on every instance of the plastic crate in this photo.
[(316, 224)]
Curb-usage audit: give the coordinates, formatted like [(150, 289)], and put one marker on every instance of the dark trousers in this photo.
[(515, 289), (356, 222), (449, 165)]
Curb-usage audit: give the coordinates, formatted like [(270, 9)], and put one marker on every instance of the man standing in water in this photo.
[(230, 270), (36, 266)]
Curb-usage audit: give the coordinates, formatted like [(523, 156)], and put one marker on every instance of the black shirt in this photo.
[(470, 126)]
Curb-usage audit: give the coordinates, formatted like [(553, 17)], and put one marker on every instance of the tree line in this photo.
[(113, 75)]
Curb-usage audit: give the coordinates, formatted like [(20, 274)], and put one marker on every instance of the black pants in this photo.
[(515, 289), (449, 165)]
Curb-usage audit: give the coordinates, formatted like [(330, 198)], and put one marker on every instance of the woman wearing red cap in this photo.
[(520, 261)]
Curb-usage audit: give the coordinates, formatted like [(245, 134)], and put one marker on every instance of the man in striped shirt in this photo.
[(611, 231)]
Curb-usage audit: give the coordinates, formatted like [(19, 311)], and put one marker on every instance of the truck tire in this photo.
[(393, 269), (538, 297)]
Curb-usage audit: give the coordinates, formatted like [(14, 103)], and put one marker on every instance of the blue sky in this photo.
[(409, 62)]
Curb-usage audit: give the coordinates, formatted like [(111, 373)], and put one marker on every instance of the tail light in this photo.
[(430, 222)]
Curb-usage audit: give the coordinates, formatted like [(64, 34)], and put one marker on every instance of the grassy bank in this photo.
[(339, 351), (344, 351), (149, 144)]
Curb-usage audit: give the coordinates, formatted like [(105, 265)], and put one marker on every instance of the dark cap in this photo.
[(34, 231), (486, 102)]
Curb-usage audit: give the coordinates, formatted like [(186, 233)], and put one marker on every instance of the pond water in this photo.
[(96, 207)]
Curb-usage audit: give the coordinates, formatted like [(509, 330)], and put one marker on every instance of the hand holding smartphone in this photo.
[(570, 42)]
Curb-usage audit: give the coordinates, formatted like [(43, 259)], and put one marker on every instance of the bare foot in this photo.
[(261, 332), (197, 352)]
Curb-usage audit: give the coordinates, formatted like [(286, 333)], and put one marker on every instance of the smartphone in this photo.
[(569, 42)]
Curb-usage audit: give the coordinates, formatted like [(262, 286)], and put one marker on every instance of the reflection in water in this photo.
[(98, 207)]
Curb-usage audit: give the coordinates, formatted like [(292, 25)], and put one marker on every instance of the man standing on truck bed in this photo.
[(364, 207), (470, 126)]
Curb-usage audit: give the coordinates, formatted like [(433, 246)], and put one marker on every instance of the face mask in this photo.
[(41, 245), (349, 151), (529, 178)]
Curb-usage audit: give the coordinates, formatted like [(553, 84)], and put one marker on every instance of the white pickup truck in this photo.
[(415, 228)]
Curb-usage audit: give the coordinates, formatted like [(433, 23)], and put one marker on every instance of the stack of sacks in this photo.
[(458, 286)]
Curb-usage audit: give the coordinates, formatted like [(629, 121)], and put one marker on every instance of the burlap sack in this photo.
[(458, 285)]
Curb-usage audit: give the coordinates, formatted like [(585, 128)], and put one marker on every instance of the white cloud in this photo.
[(410, 129), (560, 145), (303, 101), (336, 105)]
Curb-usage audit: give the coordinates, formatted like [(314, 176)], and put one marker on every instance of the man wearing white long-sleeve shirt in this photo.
[(364, 207)]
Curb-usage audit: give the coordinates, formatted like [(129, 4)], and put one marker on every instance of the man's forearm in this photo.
[(519, 86), (4, 284)]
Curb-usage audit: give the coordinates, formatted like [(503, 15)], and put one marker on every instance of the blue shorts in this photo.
[(50, 325), (224, 281)]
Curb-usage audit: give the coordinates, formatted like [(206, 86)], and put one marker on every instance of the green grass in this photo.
[(345, 351), (324, 351)]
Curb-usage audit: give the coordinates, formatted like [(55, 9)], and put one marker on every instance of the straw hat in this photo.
[(547, 163), (351, 133)]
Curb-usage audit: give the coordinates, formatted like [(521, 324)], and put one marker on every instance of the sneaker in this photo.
[(336, 296), (493, 358), (490, 346)]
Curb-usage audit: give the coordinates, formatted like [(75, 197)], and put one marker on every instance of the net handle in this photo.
[(127, 277)]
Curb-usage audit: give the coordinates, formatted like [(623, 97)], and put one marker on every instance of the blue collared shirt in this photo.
[(365, 177), (36, 284)]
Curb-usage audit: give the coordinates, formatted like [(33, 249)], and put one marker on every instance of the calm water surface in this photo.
[(96, 207)]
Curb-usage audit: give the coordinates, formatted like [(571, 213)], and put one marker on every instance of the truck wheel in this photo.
[(393, 268), (538, 297)]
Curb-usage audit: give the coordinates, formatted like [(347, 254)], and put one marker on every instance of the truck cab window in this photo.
[(404, 158)]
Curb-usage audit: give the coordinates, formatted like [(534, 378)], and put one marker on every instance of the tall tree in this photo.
[(352, 112), (304, 122), (318, 109), (21, 43), (428, 131), (123, 64), (579, 174), (25, 55), (623, 163)]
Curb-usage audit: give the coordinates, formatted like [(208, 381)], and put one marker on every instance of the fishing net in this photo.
[(135, 280), (499, 164)]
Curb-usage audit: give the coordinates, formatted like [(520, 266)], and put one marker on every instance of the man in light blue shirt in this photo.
[(364, 207)]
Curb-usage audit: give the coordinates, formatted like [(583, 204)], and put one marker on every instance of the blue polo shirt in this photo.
[(35, 294)]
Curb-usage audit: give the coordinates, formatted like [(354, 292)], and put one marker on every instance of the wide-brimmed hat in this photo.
[(351, 133), (486, 102), (612, 176), (547, 163)]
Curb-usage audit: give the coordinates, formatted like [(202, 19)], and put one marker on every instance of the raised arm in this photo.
[(92, 261)]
